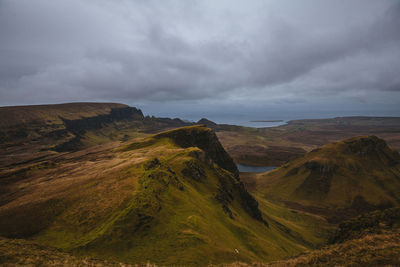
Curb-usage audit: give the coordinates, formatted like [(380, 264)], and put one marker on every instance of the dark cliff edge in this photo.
[(80, 126), (205, 139), (44, 124)]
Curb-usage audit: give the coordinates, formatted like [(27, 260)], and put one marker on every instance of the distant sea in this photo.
[(256, 124), (261, 121), (269, 119)]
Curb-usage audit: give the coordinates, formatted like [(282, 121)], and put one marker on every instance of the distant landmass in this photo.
[(267, 121)]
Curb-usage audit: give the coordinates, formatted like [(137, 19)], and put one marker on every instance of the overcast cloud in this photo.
[(169, 56)]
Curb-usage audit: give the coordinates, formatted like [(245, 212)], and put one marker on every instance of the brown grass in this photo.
[(19, 252), (371, 250)]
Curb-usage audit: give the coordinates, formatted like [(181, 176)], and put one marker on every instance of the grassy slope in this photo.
[(371, 239), (371, 250), (360, 173), (121, 204)]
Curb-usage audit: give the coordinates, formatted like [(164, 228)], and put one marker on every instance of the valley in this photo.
[(100, 183), (273, 146)]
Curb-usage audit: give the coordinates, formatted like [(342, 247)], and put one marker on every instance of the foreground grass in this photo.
[(371, 250), (19, 252)]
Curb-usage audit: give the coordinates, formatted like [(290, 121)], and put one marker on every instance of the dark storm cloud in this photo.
[(129, 51)]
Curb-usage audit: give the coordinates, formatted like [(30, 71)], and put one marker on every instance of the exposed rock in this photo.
[(365, 145), (324, 168), (205, 139), (152, 164), (225, 197), (249, 203), (194, 171), (91, 123)]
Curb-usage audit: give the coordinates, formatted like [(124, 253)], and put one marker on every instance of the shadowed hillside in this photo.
[(337, 180)]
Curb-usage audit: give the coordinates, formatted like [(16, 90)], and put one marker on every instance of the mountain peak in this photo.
[(364, 145), (205, 139), (207, 123), (339, 176)]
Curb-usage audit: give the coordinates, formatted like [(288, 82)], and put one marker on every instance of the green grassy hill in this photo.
[(338, 180), (172, 198)]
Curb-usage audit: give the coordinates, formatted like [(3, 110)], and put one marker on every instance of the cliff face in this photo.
[(59, 123), (205, 139), (50, 114), (79, 126)]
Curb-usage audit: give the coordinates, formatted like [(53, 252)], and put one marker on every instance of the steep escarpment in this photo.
[(50, 114), (205, 139), (340, 179), (79, 127), (44, 125)]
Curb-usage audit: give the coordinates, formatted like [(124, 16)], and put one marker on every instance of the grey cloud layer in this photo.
[(55, 51)]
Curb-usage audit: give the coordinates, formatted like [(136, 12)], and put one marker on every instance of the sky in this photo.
[(221, 59)]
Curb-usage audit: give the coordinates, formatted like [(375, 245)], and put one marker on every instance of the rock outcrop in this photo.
[(205, 139)]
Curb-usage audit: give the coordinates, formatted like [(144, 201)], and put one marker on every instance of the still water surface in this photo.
[(246, 168)]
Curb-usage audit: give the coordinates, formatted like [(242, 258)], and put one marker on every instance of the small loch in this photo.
[(247, 168)]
